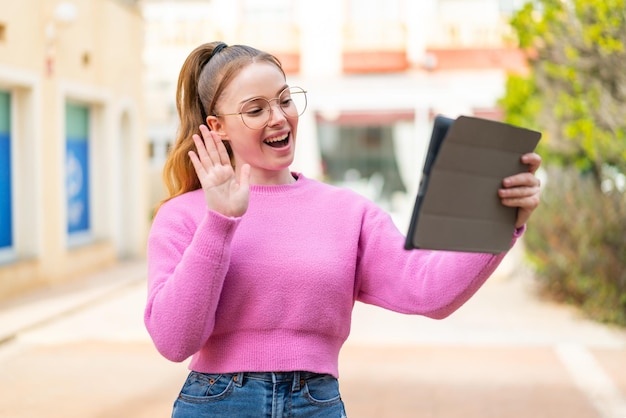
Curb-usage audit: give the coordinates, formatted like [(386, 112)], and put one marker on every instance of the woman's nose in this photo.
[(277, 117)]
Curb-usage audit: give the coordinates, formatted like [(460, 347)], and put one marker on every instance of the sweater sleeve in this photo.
[(424, 282), (187, 264)]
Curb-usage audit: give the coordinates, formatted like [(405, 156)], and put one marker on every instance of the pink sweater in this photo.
[(274, 289)]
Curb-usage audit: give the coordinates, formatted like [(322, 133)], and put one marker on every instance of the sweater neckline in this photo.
[(275, 189)]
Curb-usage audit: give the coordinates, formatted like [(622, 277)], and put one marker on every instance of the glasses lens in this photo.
[(255, 113), (293, 101)]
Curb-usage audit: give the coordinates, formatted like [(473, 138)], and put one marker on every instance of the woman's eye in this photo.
[(253, 112), (286, 102)]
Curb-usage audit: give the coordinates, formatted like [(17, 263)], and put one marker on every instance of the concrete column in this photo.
[(420, 16), (321, 23)]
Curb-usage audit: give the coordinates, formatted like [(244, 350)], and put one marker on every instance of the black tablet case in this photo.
[(457, 207)]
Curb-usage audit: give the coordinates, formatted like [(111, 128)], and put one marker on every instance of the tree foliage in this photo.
[(577, 91), (576, 95)]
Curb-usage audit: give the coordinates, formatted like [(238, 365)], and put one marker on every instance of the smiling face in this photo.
[(270, 150)]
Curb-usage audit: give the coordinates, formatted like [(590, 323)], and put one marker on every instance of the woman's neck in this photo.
[(270, 178)]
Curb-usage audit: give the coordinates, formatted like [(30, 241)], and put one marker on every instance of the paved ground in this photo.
[(82, 352)]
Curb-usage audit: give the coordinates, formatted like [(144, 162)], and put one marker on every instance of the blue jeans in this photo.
[(259, 395)]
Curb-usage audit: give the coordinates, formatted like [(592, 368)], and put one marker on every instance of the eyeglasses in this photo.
[(256, 113)]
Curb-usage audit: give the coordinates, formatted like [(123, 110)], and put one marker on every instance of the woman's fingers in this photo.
[(522, 190), (197, 164), (221, 148), (201, 151), (214, 147), (533, 161), (520, 185), (210, 151)]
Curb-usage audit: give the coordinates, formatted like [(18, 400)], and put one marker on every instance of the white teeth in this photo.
[(278, 138)]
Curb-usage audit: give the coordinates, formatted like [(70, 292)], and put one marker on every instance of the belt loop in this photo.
[(297, 382), (238, 379)]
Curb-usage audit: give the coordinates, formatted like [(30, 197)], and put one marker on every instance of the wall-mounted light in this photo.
[(65, 13)]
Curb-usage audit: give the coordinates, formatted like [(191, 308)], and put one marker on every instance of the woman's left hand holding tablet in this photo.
[(522, 190)]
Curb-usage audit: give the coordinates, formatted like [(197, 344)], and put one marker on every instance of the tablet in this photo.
[(457, 207)]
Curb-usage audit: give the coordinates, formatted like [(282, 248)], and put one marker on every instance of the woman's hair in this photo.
[(202, 79)]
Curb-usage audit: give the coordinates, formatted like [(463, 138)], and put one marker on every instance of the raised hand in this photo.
[(522, 190), (224, 193)]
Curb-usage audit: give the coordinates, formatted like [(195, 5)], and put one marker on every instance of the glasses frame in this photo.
[(269, 102)]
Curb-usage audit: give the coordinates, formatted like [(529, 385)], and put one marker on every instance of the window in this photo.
[(277, 10), (6, 211), (77, 172), (508, 7), (361, 157), (375, 10)]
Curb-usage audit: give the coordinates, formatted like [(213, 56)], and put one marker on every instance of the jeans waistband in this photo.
[(297, 378)]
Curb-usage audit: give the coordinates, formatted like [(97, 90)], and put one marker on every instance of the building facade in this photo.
[(87, 109), (376, 73), (72, 145)]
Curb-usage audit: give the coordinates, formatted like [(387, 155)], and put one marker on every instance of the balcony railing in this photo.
[(370, 47)]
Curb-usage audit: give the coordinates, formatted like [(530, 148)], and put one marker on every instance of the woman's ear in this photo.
[(216, 126)]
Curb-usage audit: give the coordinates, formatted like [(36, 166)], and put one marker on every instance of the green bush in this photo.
[(576, 241), (575, 93)]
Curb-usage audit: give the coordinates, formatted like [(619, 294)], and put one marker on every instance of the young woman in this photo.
[(253, 269)]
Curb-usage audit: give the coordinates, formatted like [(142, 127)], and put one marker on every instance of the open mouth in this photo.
[(278, 142)]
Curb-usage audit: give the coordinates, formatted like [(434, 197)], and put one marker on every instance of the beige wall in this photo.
[(94, 60)]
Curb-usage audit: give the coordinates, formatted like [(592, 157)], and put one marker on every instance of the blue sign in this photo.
[(6, 213), (77, 185), (77, 168)]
